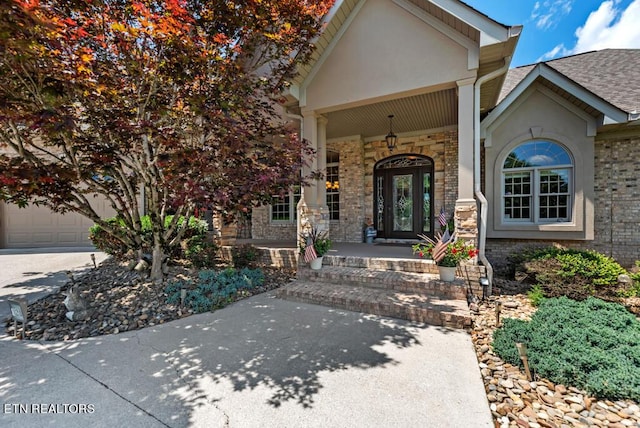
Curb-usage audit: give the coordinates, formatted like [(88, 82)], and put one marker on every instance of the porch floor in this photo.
[(346, 249)]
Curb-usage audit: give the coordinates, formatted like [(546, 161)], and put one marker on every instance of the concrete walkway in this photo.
[(261, 362)]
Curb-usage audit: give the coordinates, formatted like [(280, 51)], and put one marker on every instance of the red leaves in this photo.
[(156, 93)]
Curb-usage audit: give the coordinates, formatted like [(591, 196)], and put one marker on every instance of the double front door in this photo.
[(403, 190)]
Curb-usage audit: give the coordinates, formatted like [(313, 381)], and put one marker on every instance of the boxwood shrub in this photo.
[(590, 344)]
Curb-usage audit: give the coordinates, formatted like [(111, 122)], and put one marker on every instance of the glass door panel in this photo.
[(402, 202), (426, 203)]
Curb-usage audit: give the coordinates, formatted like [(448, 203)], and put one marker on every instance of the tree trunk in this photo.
[(156, 261)]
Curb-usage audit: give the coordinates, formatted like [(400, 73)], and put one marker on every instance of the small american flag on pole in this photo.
[(442, 218), (310, 252)]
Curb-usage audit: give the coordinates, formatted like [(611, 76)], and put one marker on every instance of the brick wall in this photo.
[(617, 205), (286, 258), (263, 228)]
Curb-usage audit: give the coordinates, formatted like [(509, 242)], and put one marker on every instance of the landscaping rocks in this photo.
[(517, 402), (115, 299)]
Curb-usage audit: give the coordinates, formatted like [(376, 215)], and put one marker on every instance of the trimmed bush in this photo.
[(577, 274), (592, 344), (215, 289)]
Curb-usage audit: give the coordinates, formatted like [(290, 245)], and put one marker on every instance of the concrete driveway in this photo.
[(261, 362), (33, 273)]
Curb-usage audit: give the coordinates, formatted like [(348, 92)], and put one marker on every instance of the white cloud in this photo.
[(610, 27), (547, 13), (606, 27), (557, 51)]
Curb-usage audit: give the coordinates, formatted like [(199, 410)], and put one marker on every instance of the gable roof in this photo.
[(610, 74), (495, 40)]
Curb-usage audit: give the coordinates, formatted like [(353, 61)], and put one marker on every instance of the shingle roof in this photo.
[(611, 74)]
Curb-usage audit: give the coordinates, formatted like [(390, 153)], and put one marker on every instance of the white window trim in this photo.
[(334, 164), (535, 194)]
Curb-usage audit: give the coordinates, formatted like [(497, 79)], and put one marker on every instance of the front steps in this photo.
[(399, 288)]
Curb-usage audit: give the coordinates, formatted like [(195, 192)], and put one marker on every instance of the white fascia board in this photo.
[(473, 50), (491, 31)]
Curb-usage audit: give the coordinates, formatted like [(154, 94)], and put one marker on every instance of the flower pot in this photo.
[(447, 274), (316, 263)]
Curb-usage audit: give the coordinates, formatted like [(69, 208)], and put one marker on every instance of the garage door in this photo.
[(40, 227)]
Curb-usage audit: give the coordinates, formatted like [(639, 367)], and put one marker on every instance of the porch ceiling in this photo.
[(415, 113)]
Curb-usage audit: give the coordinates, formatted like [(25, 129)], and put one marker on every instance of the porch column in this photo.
[(311, 134), (312, 210), (465, 139), (322, 164), (465, 215)]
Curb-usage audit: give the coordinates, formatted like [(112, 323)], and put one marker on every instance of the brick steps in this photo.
[(379, 263), (385, 279), (418, 307), (401, 288)]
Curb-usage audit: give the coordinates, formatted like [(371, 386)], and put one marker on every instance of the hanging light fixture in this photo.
[(391, 138)]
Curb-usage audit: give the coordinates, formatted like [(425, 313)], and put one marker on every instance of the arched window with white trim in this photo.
[(537, 183)]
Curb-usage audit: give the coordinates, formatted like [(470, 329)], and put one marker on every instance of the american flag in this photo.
[(310, 253), (442, 218)]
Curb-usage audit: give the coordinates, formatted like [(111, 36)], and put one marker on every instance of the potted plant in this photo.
[(446, 251), (313, 246)]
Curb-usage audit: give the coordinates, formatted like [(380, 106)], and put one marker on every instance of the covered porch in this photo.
[(435, 66)]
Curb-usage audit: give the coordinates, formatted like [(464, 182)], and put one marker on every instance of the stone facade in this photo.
[(441, 146), (356, 168), (351, 173), (617, 205)]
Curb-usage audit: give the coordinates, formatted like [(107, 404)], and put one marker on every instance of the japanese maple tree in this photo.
[(170, 99)]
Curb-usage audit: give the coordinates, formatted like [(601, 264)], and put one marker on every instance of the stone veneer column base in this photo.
[(466, 220)]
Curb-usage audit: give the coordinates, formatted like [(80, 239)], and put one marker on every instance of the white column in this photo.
[(322, 163), (311, 135), (465, 139), (466, 211)]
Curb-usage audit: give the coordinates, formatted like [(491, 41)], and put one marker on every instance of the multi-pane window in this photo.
[(285, 208), (333, 185), (537, 183)]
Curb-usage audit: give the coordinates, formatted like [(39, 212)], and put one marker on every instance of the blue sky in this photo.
[(556, 28)]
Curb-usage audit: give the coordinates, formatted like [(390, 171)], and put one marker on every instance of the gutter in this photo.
[(482, 231)]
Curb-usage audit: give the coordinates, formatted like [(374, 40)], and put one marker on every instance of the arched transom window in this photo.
[(537, 180)]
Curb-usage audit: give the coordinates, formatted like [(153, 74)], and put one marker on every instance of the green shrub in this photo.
[(215, 289), (107, 242), (244, 255), (592, 344), (111, 245), (536, 295), (635, 277), (573, 273), (201, 252)]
